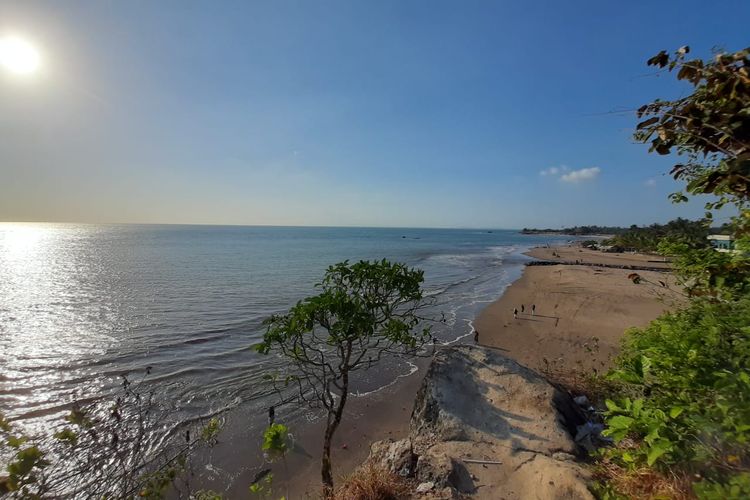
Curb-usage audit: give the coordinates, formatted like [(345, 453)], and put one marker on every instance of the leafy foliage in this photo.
[(647, 239), (737, 488), (263, 488), (707, 273), (688, 391), (275, 440), (682, 405), (363, 312), (210, 431), (710, 128)]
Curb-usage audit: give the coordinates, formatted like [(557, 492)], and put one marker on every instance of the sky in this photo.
[(396, 113)]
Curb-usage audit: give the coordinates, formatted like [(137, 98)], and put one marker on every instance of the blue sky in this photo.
[(381, 113)]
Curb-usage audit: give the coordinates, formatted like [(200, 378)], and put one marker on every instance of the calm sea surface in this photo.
[(81, 305)]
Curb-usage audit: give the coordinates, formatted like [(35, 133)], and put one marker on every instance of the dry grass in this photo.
[(578, 382), (373, 483), (643, 482)]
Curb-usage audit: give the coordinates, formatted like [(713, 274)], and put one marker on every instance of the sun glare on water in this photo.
[(19, 56)]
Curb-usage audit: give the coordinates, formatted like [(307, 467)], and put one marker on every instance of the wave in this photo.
[(413, 368)]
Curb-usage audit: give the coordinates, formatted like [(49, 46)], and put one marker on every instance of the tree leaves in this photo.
[(648, 122), (661, 59), (711, 126)]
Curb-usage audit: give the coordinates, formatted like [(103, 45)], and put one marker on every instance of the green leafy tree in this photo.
[(363, 312), (647, 239), (709, 128)]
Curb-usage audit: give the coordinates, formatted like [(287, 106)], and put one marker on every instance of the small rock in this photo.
[(425, 487), (563, 457)]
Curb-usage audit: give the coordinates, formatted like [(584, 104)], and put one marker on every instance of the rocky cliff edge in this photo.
[(484, 426)]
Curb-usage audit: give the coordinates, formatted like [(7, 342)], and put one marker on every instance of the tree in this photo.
[(647, 239), (710, 127), (363, 312)]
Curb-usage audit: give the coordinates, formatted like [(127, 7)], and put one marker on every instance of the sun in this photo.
[(18, 55)]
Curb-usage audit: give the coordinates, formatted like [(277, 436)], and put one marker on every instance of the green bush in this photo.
[(736, 488), (275, 440), (684, 394)]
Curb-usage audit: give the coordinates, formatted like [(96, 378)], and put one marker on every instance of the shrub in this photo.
[(684, 396)]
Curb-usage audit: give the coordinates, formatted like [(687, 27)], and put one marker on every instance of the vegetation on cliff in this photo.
[(681, 408)]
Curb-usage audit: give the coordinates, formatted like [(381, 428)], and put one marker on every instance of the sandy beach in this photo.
[(581, 311)]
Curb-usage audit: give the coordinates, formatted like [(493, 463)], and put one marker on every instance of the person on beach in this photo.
[(476, 336), (522, 308), (515, 313), (533, 309)]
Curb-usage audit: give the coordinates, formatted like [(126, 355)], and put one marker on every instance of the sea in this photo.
[(82, 305)]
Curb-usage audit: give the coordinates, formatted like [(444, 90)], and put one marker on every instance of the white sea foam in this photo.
[(412, 370)]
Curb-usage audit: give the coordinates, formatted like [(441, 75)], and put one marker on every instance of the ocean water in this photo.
[(81, 305)]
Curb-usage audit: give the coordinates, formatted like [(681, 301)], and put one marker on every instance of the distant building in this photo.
[(721, 242)]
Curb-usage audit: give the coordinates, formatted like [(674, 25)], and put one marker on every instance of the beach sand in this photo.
[(581, 311)]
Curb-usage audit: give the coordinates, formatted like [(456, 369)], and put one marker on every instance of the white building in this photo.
[(721, 242)]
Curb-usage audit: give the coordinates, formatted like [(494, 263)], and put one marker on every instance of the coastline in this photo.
[(575, 304)]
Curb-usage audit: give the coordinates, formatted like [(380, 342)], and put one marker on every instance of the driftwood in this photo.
[(471, 461)]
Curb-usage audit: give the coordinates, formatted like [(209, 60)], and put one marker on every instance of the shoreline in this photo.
[(370, 416), (575, 304)]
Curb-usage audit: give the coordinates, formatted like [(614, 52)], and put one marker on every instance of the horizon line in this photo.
[(260, 225)]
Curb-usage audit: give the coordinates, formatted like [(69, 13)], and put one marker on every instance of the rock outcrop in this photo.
[(484, 426)]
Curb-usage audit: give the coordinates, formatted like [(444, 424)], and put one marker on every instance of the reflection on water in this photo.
[(82, 304), (51, 318)]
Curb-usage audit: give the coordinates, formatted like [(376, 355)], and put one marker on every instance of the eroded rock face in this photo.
[(394, 456), (474, 394), (444, 471), (476, 408)]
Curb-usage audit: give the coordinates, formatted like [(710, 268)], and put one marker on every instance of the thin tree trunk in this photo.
[(326, 470)]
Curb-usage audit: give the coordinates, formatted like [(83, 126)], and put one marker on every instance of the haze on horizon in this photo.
[(343, 113)]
